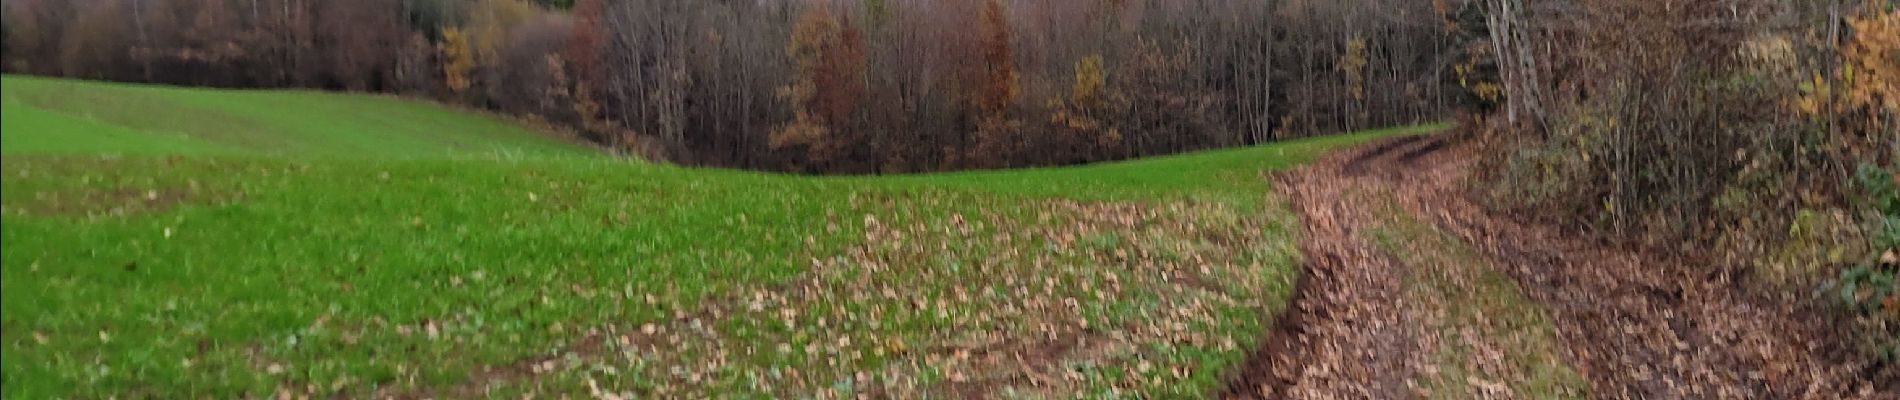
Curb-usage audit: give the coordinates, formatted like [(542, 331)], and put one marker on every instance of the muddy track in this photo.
[(1359, 162), (1347, 333), (1634, 325)]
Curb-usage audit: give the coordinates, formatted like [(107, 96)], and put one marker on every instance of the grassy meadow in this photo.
[(195, 243)]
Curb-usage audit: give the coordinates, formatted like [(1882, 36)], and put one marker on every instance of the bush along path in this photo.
[(1413, 291)]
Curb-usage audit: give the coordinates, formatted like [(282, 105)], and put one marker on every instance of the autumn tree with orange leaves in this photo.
[(828, 56), (998, 134), (582, 56)]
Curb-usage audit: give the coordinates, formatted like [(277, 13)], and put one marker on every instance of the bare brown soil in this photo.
[(1346, 334), (1635, 324), (121, 201)]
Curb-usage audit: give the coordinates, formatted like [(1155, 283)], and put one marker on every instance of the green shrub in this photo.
[(1871, 289)]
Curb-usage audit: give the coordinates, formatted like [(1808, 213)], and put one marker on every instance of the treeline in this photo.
[(860, 86), (1760, 134)]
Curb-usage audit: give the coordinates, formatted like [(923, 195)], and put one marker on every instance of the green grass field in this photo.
[(188, 243), (55, 116)]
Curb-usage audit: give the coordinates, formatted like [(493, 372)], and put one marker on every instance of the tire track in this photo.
[(1635, 325), (1347, 333)]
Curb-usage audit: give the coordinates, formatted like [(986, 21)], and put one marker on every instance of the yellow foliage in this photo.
[(458, 59), (1488, 91), (1090, 77), (1353, 64), (1869, 78), (1078, 116), (1861, 96), (1817, 96), (1485, 90), (1872, 78)]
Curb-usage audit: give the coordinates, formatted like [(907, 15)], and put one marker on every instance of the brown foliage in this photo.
[(416, 71), (521, 77), (583, 56), (1001, 85), (93, 45), (998, 87), (828, 55), (583, 51), (359, 42)]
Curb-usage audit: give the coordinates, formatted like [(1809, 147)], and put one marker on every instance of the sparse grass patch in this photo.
[(1487, 340), (1013, 297)]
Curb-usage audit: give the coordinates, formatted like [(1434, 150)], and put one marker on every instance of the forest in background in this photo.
[(817, 86)]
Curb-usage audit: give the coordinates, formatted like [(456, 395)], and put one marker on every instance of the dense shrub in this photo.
[(1759, 135), (1870, 289)]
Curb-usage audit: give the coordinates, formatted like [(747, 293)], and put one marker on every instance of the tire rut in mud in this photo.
[(1357, 167), (1346, 331), (1256, 377)]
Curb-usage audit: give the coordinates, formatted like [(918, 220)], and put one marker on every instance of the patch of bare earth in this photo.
[(120, 201), (1633, 324), (82, 193)]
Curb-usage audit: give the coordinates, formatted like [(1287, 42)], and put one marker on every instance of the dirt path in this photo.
[(1631, 325), (1346, 334)]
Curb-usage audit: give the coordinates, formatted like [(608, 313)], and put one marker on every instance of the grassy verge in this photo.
[(1486, 340)]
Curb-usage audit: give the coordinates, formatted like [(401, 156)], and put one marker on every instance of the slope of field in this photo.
[(357, 262), (76, 117)]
